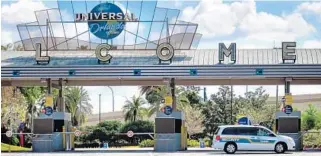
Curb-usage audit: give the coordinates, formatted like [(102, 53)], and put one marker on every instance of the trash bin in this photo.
[(202, 144), (105, 145)]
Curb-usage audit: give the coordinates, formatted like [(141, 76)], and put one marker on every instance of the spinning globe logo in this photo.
[(107, 21)]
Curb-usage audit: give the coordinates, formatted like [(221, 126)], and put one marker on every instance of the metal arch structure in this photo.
[(52, 29)]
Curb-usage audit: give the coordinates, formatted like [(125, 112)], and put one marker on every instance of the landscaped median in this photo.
[(7, 148)]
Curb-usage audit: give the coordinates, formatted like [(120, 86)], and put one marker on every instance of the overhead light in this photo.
[(166, 80), (42, 80)]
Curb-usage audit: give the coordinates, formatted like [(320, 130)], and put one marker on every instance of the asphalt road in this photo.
[(151, 153)]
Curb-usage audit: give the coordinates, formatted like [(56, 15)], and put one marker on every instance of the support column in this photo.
[(172, 86), (287, 86), (60, 99), (49, 86)]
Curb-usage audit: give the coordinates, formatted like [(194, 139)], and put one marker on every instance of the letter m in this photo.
[(231, 51)]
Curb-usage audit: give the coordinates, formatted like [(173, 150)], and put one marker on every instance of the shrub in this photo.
[(192, 143), (138, 127), (312, 139), (147, 143), (208, 142)]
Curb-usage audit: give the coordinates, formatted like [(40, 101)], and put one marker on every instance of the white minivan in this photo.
[(231, 138)]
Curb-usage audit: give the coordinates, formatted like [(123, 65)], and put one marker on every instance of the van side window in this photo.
[(247, 130), (230, 131), (264, 132)]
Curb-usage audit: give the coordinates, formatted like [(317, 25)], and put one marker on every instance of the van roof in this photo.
[(224, 126)]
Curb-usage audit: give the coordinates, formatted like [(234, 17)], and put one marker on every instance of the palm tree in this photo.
[(34, 97), (6, 47), (156, 94), (77, 104), (133, 109), (147, 89)]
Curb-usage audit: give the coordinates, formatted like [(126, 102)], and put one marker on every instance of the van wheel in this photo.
[(230, 148), (279, 148)]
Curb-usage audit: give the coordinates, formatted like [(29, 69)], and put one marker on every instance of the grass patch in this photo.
[(5, 148)]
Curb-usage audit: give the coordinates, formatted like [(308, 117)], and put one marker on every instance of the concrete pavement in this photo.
[(150, 152)]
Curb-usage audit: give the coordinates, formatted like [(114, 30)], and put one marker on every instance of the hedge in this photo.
[(312, 139), (147, 143)]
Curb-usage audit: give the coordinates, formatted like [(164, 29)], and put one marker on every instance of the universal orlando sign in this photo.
[(106, 21)]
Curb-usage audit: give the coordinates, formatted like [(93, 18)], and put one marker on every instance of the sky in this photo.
[(251, 24)]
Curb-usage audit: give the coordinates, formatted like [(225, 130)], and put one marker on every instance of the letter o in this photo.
[(99, 55), (169, 51)]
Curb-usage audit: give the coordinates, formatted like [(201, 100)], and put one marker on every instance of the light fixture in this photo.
[(43, 80)]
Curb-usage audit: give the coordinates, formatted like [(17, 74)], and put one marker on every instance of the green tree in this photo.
[(217, 111), (194, 119), (254, 105), (147, 89), (311, 118), (6, 47), (212, 117), (223, 99), (138, 126), (155, 96), (19, 48), (34, 98), (77, 104), (192, 97), (133, 108), (105, 131), (13, 106)]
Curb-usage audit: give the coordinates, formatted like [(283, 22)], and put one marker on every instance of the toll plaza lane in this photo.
[(151, 153)]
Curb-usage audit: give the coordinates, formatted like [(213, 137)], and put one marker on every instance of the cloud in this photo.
[(312, 44), (6, 37), (216, 18), (242, 21), (21, 12), (310, 7), (264, 26)]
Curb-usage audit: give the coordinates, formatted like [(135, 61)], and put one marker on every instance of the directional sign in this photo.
[(130, 134), (168, 100), (288, 99), (9, 133), (77, 132), (168, 110), (288, 109), (48, 111), (49, 101)]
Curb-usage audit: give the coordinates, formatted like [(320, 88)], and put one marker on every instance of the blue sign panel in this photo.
[(137, 72), (193, 72), (168, 110), (48, 111), (71, 72), (244, 121), (259, 71), (16, 73), (106, 21), (288, 109)]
